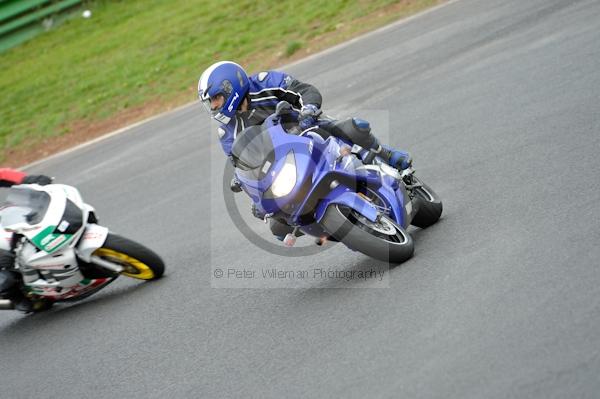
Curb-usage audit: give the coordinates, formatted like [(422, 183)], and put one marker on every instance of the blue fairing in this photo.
[(349, 199), (322, 176)]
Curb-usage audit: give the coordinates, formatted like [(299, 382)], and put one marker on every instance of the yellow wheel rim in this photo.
[(131, 266)]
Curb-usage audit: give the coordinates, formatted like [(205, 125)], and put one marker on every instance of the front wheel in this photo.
[(383, 239), (137, 260)]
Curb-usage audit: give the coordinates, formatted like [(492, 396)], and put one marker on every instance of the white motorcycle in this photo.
[(55, 251)]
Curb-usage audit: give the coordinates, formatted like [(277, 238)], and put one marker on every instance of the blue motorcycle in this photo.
[(318, 186)]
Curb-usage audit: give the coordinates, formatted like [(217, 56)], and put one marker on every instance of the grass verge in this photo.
[(134, 58)]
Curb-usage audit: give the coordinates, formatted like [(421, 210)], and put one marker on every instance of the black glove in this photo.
[(308, 116), (235, 185), (257, 213), (42, 180)]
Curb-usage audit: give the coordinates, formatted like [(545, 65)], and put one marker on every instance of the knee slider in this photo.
[(357, 131), (362, 125)]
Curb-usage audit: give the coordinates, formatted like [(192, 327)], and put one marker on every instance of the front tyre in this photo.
[(137, 260), (383, 239)]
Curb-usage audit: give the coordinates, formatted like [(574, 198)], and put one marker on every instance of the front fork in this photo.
[(93, 238)]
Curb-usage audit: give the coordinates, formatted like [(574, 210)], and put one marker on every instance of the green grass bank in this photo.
[(132, 57)]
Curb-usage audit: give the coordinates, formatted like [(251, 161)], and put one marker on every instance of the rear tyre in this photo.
[(430, 205), (138, 261), (383, 239)]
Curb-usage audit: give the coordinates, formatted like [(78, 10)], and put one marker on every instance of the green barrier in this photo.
[(20, 36), (12, 8), (21, 20)]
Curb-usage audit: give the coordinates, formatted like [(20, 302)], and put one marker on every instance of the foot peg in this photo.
[(235, 185)]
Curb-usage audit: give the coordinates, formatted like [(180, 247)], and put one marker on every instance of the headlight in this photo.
[(286, 179)]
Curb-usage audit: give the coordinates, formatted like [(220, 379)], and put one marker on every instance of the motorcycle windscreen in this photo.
[(71, 221), (253, 152), (24, 205)]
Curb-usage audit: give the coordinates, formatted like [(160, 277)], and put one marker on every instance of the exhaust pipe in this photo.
[(6, 304)]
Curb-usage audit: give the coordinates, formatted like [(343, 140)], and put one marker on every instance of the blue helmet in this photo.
[(227, 79)]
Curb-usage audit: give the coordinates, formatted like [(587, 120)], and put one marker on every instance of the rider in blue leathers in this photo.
[(237, 101)]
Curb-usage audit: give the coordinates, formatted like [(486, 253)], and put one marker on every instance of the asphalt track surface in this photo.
[(498, 101)]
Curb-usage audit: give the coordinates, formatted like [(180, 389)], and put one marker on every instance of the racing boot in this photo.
[(395, 158), (10, 291), (9, 284)]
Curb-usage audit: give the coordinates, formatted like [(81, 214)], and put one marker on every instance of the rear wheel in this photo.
[(382, 239), (430, 205), (137, 260)]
